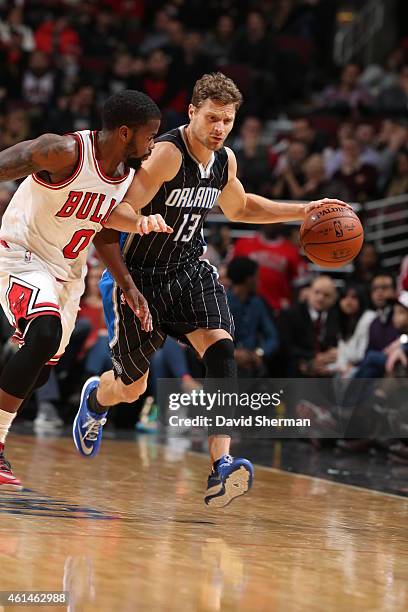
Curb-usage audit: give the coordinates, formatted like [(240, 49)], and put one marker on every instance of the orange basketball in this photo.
[(331, 235)]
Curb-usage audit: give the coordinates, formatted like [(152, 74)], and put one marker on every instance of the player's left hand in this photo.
[(138, 303), (324, 202), (152, 223)]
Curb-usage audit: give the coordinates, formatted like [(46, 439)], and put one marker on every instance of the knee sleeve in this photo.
[(220, 363), (44, 337), (42, 377), (219, 360), (41, 342)]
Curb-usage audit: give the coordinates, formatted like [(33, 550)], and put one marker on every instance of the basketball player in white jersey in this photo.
[(74, 187)]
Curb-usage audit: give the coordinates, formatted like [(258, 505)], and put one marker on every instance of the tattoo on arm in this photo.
[(48, 152)]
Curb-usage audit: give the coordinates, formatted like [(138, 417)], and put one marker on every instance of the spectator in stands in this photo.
[(253, 44), (382, 330), (367, 265), (194, 61), (391, 138), (100, 37), (16, 129), (121, 75), (218, 245), (394, 100), (157, 37), (253, 158), (303, 131), (398, 184), (366, 138), (316, 185), (163, 83), (354, 326), (14, 25), (358, 177), (348, 95), (333, 154), (219, 42), (175, 40), (375, 360), (289, 172), (39, 83), (310, 331), (256, 337), (279, 263), (400, 320), (75, 112)]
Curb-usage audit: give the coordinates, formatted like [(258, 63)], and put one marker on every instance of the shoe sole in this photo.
[(77, 414), (238, 483)]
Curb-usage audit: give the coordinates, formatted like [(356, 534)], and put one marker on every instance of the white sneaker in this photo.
[(47, 417)]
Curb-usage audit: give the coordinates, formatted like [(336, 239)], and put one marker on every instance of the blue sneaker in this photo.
[(229, 479), (87, 427)]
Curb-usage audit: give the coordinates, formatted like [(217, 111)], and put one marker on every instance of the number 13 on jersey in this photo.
[(186, 232)]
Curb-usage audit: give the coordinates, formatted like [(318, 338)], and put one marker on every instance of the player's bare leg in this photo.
[(229, 477), (112, 390), (98, 394)]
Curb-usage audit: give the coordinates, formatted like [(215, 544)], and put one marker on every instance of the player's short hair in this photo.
[(128, 107), (216, 86)]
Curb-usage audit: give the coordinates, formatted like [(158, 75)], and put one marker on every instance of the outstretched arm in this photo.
[(124, 218), (162, 165), (107, 246), (252, 208), (47, 152)]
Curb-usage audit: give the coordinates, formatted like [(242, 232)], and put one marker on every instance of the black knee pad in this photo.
[(219, 360), (42, 377), (44, 337), (41, 342)]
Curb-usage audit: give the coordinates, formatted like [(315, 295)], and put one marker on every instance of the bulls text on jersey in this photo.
[(83, 204)]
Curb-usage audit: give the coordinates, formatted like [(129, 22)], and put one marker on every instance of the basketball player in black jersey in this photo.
[(188, 172)]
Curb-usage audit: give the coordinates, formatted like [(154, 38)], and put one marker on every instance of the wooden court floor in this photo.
[(128, 531)]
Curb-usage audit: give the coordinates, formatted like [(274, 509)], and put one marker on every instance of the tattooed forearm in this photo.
[(16, 162), (48, 152)]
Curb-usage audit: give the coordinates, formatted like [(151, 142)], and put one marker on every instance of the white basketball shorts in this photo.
[(29, 290)]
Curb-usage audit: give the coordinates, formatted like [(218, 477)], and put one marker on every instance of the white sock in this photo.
[(6, 419)]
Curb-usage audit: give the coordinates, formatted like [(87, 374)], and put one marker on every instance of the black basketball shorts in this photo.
[(180, 303)]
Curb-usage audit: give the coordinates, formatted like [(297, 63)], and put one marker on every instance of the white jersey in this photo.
[(57, 222)]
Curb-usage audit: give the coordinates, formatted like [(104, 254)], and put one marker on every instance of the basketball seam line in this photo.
[(306, 231), (335, 241)]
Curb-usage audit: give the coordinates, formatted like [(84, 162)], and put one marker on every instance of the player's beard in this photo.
[(134, 162)]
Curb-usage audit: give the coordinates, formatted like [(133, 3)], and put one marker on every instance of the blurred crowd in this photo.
[(308, 129)]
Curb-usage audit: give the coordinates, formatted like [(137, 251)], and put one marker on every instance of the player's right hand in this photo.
[(138, 303), (308, 208), (152, 223)]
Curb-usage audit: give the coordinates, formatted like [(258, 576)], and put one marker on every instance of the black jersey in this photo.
[(184, 203)]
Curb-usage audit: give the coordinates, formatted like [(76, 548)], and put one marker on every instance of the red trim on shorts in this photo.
[(54, 360), (50, 304), (41, 314), (4, 244), (108, 179), (75, 173)]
